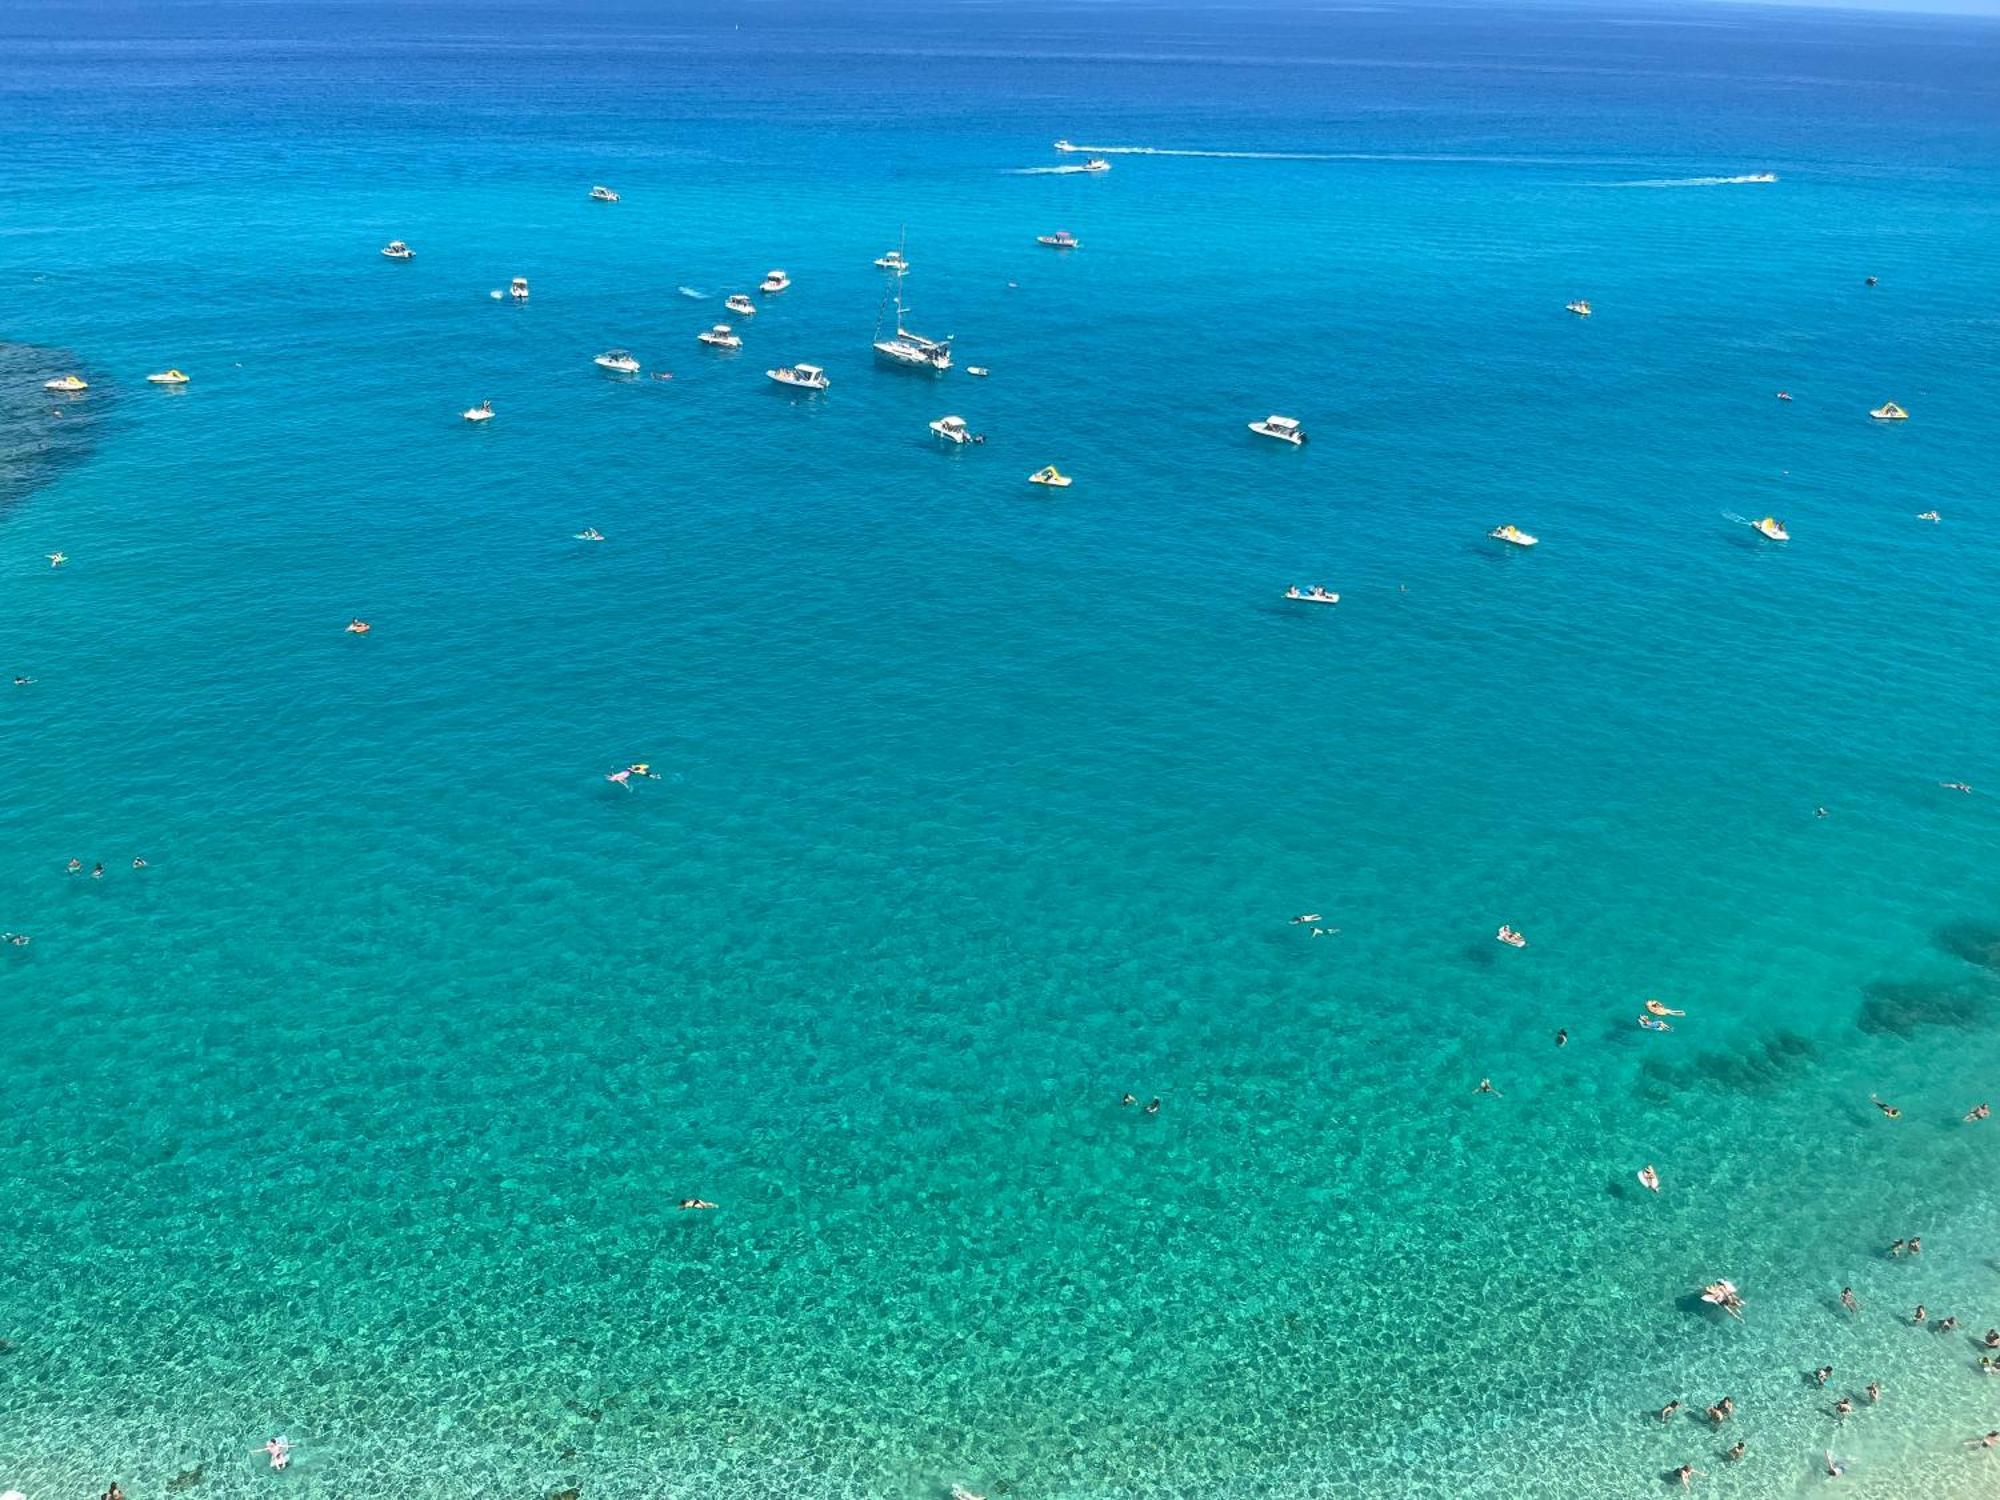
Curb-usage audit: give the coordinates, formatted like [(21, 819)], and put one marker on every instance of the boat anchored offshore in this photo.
[(397, 250), (893, 261), (617, 361), (1284, 429), (518, 289), (1773, 528), (483, 412), (802, 377), (66, 383), (168, 377), (1579, 307), (741, 305), (719, 337), (1050, 476), (954, 430), (603, 195), (774, 281), (1513, 535), (1062, 239), (1889, 411), (913, 349), (1313, 595)]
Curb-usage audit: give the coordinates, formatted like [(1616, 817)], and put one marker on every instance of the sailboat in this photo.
[(908, 348)]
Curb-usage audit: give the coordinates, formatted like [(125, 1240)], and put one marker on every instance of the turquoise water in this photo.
[(362, 1113)]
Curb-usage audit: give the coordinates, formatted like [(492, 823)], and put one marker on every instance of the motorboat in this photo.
[(1510, 937), (1313, 595), (1889, 411), (979, 371), (1284, 429), (801, 377), (617, 361), (1062, 239), (518, 289), (483, 412), (1758, 177), (168, 377), (1066, 146), (741, 305), (1050, 476), (893, 261), (1096, 164), (954, 430), (1514, 535), (397, 250), (774, 281), (1773, 528), (66, 383), (719, 337), (603, 195), (1579, 307)]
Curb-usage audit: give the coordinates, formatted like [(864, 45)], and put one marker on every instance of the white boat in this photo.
[(1062, 239), (1284, 429), (1066, 146), (397, 250), (954, 430), (741, 305), (893, 261), (483, 412), (603, 195), (1759, 177), (774, 281), (1579, 307), (66, 383), (1096, 164), (1051, 476), (803, 377), (1889, 411), (168, 377), (1313, 595), (719, 337), (518, 289), (617, 361), (1513, 535), (1773, 528), (979, 370)]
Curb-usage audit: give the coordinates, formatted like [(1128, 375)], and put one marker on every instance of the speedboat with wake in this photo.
[(1095, 164), (1313, 595), (617, 361), (800, 377), (1773, 528), (1284, 429), (1513, 536)]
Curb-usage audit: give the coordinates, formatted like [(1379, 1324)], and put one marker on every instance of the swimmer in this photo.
[(1991, 1440), (1152, 1106), (1823, 1374), (696, 1203), (114, 1493), (1722, 1411), (1869, 282), (1889, 1110), (1736, 1453), (1819, 812), (97, 870), (1874, 1392), (1300, 921), (1650, 1023), (1648, 1178), (138, 863), (1842, 1407), (1688, 1473), (1562, 1036), (1954, 786), (1784, 395), (1326, 932), (643, 768), (1834, 1468), (1667, 1411), (1129, 1099), (1896, 1249), (1916, 1245), (57, 559), (1486, 1087), (280, 1451), (1848, 1301), (623, 778), (1660, 1010), (1921, 1315), (1988, 1365), (1992, 1339), (1949, 1324), (358, 627), (1927, 515), (1977, 1112), (75, 867), (24, 682), (18, 939)]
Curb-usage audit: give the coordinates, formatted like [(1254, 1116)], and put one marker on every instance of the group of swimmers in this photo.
[(75, 867)]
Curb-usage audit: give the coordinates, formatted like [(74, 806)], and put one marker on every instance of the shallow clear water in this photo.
[(362, 1113)]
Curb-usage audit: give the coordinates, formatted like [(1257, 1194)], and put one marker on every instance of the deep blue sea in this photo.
[(363, 1112)]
